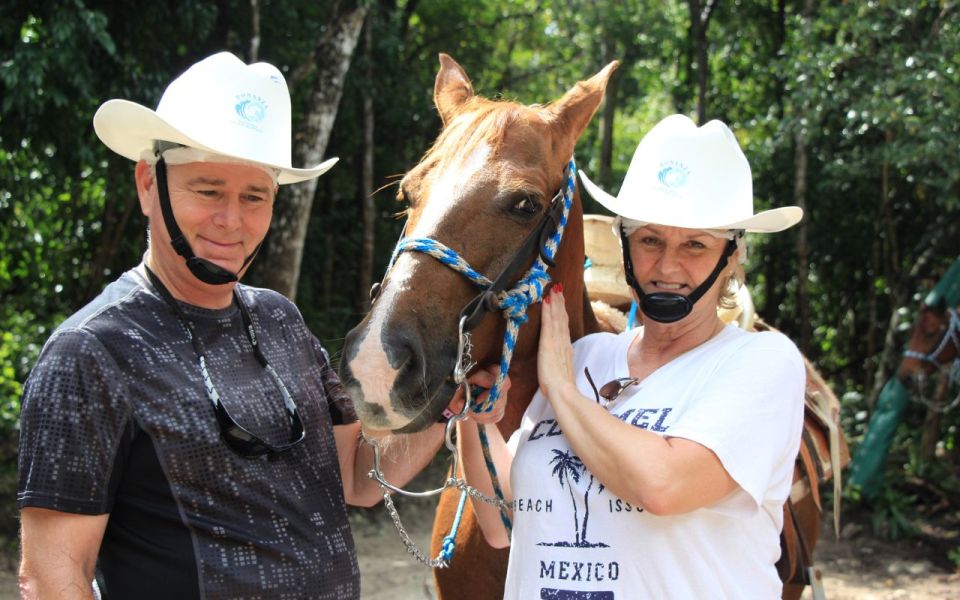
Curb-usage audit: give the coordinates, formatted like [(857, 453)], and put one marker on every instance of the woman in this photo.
[(655, 463)]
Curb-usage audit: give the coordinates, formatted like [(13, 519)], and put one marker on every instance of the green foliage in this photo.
[(10, 387), (892, 514), (954, 555)]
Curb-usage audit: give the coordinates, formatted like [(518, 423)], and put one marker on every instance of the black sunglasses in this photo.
[(611, 390), (238, 438)]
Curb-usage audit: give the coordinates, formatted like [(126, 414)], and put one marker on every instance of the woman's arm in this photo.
[(664, 475), (477, 475)]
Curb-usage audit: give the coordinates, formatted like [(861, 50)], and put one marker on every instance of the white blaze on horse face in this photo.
[(457, 182), (372, 369)]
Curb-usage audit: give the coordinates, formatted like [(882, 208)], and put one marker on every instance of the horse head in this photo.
[(934, 343), (480, 191)]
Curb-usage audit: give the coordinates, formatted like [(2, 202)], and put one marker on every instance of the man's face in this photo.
[(223, 209)]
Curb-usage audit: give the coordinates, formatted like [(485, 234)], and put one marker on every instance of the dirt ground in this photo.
[(862, 567), (859, 567)]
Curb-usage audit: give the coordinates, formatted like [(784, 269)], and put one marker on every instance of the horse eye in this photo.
[(405, 197), (527, 205)]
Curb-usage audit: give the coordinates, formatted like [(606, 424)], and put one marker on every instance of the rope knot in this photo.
[(448, 547), (527, 291)]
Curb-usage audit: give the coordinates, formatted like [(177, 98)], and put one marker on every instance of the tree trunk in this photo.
[(326, 198), (607, 115), (800, 170), (699, 22), (803, 251), (254, 30), (279, 268), (873, 310), (365, 276)]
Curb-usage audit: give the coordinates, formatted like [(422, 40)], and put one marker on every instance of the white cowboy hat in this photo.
[(220, 105), (696, 178)]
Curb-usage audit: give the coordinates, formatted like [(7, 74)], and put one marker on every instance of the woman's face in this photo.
[(676, 260)]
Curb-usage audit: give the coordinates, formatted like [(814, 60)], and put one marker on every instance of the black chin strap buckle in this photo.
[(666, 307), (209, 272)]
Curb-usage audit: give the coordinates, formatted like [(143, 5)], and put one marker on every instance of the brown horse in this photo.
[(934, 343), (480, 190), (933, 349)]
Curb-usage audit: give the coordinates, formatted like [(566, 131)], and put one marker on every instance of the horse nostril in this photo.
[(403, 352)]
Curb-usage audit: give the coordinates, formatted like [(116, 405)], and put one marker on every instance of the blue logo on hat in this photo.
[(673, 174), (251, 108)]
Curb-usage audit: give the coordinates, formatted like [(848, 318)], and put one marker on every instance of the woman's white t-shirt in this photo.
[(740, 394)]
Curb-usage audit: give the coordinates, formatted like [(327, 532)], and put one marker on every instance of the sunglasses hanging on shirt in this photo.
[(611, 390), (238, 438)]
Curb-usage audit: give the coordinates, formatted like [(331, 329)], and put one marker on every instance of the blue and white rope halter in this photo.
[(513, 303)]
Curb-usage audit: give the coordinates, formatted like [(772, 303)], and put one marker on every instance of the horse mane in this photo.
[(488, 123)]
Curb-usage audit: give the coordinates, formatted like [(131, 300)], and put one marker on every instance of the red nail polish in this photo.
[(546, 299), (559, 287)]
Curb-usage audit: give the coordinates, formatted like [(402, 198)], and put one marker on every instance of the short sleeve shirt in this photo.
[(116, 419), (740, 395)]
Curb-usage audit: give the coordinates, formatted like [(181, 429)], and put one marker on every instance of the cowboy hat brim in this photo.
[(128, 128), (657, 208)]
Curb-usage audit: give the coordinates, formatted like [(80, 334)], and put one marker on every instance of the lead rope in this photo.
[(463, 366)]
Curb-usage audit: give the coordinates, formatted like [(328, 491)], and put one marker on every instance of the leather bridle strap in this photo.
[(487, 301)]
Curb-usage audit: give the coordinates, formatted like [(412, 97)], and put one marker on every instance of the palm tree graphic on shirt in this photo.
[(568, 469)]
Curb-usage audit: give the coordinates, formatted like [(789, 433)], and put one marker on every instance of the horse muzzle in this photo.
[(396, 374)]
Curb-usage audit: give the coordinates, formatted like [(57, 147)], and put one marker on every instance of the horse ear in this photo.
[(452, 88), (575, 109)]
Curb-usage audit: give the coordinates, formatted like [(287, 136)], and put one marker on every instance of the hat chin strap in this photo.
[(203, 269), (667, 307)]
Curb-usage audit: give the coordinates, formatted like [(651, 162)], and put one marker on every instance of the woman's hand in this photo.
[(483, 377), (555, 355)]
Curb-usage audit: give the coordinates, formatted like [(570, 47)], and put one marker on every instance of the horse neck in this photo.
[(569, 271)]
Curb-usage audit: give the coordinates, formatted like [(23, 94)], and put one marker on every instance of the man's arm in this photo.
[(401, 458), (59, 553)]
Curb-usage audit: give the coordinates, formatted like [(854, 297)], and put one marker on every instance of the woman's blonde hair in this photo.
[(730, 285)]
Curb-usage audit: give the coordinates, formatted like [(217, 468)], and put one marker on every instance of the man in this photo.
[(184, 436)]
